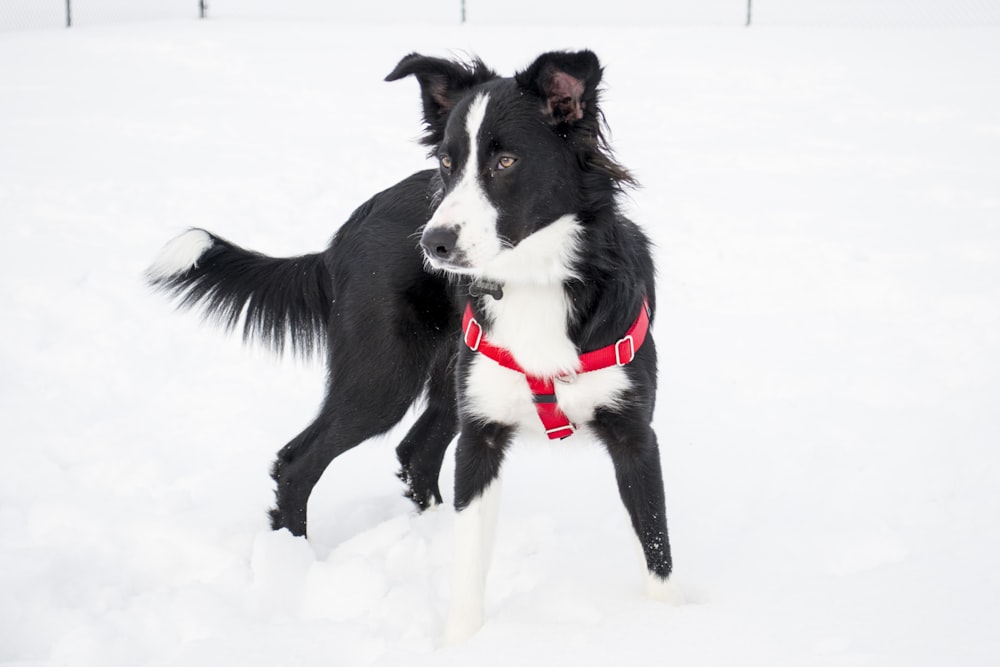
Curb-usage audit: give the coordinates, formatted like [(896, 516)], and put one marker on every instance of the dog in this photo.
[(505, 285)]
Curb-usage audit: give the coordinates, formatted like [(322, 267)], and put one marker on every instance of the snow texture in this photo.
[(826, 209)]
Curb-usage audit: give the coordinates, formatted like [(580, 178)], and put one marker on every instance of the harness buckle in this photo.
[(477, 329), (557, 432), (620, 359)]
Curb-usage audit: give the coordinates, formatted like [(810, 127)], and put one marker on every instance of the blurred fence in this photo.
[(26, 14)]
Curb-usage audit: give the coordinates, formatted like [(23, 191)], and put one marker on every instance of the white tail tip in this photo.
[(180, 254)]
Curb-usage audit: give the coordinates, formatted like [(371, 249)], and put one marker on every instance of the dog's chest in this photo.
[(531, 325)]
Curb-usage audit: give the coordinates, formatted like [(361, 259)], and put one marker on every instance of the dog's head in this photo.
[(521, 159)]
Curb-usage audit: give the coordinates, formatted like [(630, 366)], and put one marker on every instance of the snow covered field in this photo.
[(827, 212)]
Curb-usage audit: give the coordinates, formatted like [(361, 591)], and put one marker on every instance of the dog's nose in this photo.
[(439, 242)]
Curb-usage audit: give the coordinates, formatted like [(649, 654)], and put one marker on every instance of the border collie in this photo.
[(506, 284)]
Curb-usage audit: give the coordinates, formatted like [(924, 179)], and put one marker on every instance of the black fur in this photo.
[(442, 84), (564, 168), (392, 326), (280, 301)]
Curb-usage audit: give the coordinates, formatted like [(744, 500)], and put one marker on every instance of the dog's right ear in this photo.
[(442, 84)]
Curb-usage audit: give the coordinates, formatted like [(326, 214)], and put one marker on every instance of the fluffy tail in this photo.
[(281, 301)]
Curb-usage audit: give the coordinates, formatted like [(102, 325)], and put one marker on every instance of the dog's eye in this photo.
[(505, 162), (446, 162)]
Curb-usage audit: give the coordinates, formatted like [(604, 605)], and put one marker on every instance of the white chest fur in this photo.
[(530, 322)]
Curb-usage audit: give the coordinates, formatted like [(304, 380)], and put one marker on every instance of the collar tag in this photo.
[(478, 289)]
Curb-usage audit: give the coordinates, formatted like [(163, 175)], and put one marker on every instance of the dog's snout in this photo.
[(439, 242)]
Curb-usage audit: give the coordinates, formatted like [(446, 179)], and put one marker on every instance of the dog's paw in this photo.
[(460, 628), (664, 590)]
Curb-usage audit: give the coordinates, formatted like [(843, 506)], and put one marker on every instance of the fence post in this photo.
[(202, 8), (69, 15), (463, 11), (748, 13)]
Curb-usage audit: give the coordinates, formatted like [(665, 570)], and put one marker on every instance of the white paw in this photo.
[(460, 628), (432, 505), (664, 590)]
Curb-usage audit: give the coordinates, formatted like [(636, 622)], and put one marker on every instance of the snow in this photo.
[(827, 215)]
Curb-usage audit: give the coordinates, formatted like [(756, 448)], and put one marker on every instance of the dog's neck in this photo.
[(531, 321)]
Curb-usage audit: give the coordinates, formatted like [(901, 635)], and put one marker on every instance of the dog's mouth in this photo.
[(457, 264)]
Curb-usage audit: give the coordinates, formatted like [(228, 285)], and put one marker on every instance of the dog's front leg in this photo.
[(478, 458), (636, 457)]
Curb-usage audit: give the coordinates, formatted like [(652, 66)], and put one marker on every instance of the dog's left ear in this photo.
[(442, 84), (567, 83)]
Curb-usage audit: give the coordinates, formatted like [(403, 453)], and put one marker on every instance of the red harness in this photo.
[(557, 425)]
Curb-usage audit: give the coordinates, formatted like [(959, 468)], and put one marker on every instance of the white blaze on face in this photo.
[(466, 209)]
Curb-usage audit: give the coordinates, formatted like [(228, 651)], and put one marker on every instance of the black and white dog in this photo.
[(527, 310)]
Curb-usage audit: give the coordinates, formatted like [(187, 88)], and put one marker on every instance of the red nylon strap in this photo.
[(556, 423), (622, 352)]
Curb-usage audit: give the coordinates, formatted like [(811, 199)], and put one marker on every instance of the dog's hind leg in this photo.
[(296, 471), (632, 445), (422, 450), (355, 409)]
